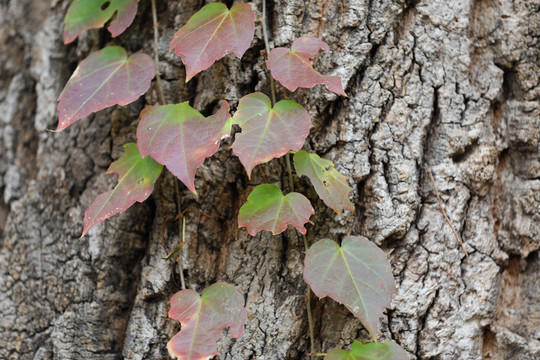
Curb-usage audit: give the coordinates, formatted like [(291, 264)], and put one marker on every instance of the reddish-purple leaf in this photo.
[(268, 132), (135, 183), (267, 209), (203, 319), (83, 15), (105, 78), (213, 32), (380, 351), (180, 138), (330, 185), (356, 274), (293, 68)]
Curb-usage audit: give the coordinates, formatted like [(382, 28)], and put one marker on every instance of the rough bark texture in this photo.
[(449, 86)]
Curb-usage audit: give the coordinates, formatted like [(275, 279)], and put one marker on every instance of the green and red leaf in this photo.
[(105, 78), (268, 132), (330, 185), (267, 209), (136, 178), (356, 274), (203, 319), (180, 138), (83, 15), (381, 351), (213, 32), (293, 68)]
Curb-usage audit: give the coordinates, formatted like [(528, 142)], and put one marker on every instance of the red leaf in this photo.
[(268, 132), (203, 319), (267, 209), (180, 138), (105, 78), (213, 32), (135, 183), (293, 69), (83, 15)]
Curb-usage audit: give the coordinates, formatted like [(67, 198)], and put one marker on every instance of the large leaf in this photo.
[(105, 78), (203, 319), (213, 32), (268, 132), (372, 351), (135, 183), (180, 138), (91, 14), (330, 185), (267, 209), (356, 274), (293, 68)]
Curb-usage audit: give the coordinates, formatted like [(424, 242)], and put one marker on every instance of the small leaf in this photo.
[(213, 32), (105, 78), (83, 15), (387, 351), (329, 184), (135, 183), (357, 274), (203, 319), (180, 138), (268, 132), (267, 209), (293, 69)]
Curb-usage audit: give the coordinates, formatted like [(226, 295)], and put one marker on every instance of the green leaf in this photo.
[(268, 132), (330, 185), (203, 319), (213, 32), (356, 274), (105, 78), (267, 209), (136, 182), (372, 351), (83, 15)]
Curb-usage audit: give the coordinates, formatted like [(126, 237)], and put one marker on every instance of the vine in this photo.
[(355, 273)]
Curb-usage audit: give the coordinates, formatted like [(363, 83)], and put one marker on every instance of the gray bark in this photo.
[(447, 86)]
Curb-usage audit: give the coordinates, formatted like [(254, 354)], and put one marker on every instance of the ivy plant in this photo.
[(355, 273)]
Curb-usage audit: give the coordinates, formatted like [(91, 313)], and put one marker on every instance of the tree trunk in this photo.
[(450, 87)]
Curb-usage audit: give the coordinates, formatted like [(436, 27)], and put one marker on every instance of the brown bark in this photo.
[(450, 86)]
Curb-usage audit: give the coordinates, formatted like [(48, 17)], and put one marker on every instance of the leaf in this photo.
[(267, 209), (180, 138), (135, 183), (293, 69), (357, 274), (83, 15), (379, 351), (330, 185), (213, 32), (203, 319), (268, 132), (105, 78)]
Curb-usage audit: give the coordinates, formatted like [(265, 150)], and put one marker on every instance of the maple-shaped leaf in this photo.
[(356, 274), (179, 137), (293, 68), (105, 78), (380, 351), (330, 185), (268, 132), (83, 15), (213, 32), (267, 209), (136, 178), (203, 319)]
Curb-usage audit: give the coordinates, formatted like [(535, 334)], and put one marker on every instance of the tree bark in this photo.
[(450, 87)]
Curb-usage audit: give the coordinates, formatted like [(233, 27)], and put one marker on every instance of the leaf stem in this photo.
[(159, 90), (181, 232), (291, 184)]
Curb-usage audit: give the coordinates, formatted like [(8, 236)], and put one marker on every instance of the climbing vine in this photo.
[(355, 273)]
